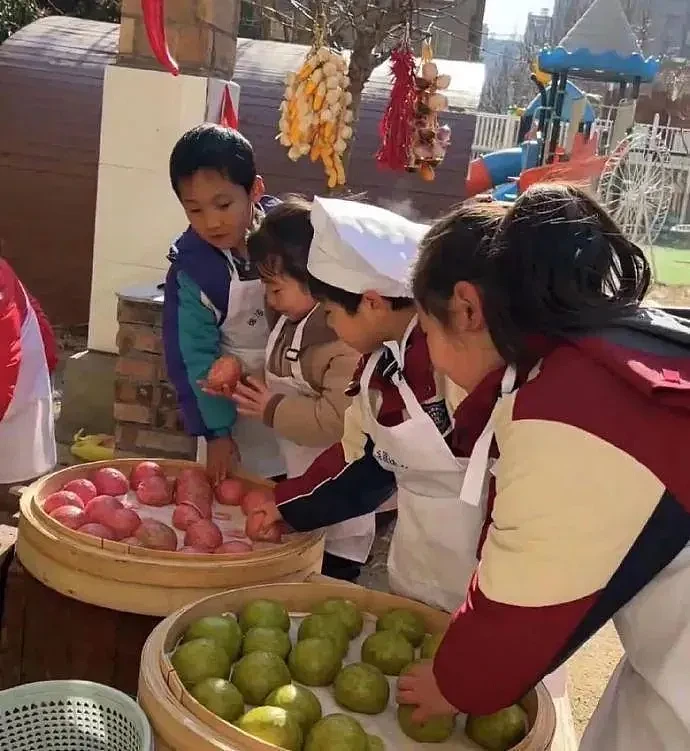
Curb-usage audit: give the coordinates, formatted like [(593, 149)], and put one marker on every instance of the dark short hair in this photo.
[(281, 243), (555, 264), (350, 301), (211, 146)]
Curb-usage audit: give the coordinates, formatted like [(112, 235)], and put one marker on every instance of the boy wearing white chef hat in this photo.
[(396, 428)]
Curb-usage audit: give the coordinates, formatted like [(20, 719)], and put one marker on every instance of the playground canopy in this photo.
[(601, 47)]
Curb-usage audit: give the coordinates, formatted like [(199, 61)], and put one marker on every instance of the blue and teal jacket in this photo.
[(197, 293)]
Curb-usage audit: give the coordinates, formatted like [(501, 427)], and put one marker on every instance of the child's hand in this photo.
[(418, 687), (252, 397), (222, 454), (266, 516)]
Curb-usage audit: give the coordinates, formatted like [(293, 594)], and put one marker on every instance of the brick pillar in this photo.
[(202, 36), (147, 419)]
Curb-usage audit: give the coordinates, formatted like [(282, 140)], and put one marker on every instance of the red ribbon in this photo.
[(154, 22), (228, 116)]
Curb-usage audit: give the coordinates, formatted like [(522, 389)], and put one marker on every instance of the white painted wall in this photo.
[(137, 213)]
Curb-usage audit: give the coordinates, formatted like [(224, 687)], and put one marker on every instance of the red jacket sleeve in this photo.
[(494, 653), (47, 334), (10, 338)]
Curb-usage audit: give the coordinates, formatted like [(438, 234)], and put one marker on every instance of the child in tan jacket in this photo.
[(307, 370)]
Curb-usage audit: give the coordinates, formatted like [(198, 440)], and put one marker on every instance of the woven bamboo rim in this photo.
[(120, 577), (182, 724)]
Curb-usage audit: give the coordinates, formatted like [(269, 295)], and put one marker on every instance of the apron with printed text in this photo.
[(351, 539), (244, 334), (433, 551)]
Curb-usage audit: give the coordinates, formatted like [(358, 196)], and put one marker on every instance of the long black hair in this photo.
[(554, 265)]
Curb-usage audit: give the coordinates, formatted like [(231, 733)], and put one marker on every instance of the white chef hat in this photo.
[(359, 247)]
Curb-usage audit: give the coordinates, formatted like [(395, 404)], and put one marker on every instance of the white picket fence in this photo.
[(494, 132)]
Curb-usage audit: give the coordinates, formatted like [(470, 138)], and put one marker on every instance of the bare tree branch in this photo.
[(369, 29)]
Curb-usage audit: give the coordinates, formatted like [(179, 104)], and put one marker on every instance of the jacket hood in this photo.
[(650, 351)]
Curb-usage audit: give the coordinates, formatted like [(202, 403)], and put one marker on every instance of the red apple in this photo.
[(156, 535), (110, 481), (154, 491), (203, 534), (124, 522), (184, 515), (71, 516), (254, 500), (97, 508), (230, 492), (225, 371), (254, 529), (84, 488), (62, 498), (143, 471)]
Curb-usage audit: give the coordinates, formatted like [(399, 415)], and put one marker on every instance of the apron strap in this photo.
[(273, 337), (398, 350), (293, 352), (478, 464), (365, 380), (231, 263), (412, 405)]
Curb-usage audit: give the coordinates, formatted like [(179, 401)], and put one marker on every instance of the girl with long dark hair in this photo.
[(579, 403)]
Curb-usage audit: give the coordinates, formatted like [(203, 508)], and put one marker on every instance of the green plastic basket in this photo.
[(71, 716)]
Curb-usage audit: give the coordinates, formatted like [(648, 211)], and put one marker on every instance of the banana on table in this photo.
[(93, 448)]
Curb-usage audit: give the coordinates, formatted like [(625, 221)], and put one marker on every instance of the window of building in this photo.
[(442, 42), (257, 23), (250, 21)]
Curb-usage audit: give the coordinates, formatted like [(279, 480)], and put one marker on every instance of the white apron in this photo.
[(646, 705), (244, 334), (351, 539), (27, 431), (472, 494), (433, 551)]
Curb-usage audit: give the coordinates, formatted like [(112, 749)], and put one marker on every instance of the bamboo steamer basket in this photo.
[(137, 580), (182, 724)]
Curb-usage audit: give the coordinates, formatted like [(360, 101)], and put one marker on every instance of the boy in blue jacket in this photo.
[(214, 300)]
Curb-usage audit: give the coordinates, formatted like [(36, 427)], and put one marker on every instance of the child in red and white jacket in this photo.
[(28, 356)]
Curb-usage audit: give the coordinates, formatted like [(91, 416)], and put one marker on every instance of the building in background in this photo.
[(670, 28), (496, 47), (565, 14), (457, 33), (505, 69), (538, 29)]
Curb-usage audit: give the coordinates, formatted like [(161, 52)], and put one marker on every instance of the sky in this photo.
[(509, 16)]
